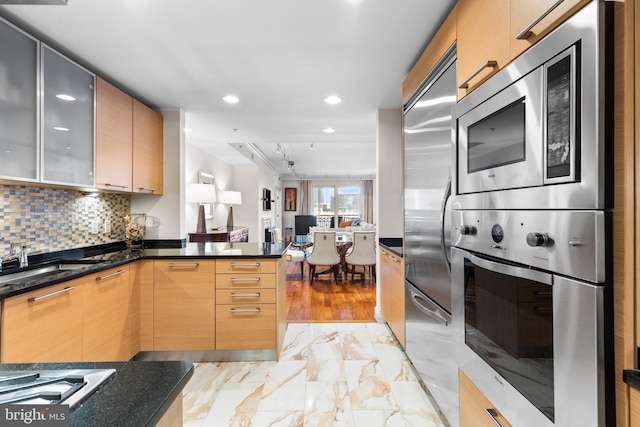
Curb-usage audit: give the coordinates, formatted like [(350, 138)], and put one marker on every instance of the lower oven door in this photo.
[(531, 341)]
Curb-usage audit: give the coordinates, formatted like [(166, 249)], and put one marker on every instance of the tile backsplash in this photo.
[(51, 219)]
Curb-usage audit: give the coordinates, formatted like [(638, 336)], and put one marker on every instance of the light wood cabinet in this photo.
[(475, 409), (114, 138), (142, 288), (530, 21), (392, 291), (105, 332), (43, 325), (147, 150), (246, 304), (483, 41), (634, 396), (438, 46), (184, 305)]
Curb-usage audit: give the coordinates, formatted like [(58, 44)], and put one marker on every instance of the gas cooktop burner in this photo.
[(68, 386)]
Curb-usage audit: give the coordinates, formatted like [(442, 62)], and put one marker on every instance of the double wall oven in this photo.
[(531, 289)]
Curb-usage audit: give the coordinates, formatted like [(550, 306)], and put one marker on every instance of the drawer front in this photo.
[(245, 296), (246, 266), (237, 281), (246, 327)]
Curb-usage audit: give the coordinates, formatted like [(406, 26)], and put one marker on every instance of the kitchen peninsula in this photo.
[(211, 300)]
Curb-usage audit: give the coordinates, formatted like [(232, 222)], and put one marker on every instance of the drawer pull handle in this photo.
[(493, 414), (242, 279), (394, 259), (147, 190), (257, 294), (465, 84), (106, 184), (52, 294), (108, 276), (383, 252), (183, 265), (526, 33), (244, 310), (245, 264)]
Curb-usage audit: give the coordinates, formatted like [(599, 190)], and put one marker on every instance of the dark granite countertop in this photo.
[(138, 395), (110, 258), (394, 244)]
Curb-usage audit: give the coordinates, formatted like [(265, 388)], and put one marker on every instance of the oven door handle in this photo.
[(512, 270)]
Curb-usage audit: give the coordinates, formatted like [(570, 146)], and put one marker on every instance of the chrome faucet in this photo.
[(11, 256)]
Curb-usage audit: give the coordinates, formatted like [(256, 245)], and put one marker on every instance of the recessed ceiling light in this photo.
[(65, 97), (231, 99), (329, 130), (61, 129), (187, 130), (333, 99)]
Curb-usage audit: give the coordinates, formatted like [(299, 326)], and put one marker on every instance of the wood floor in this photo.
[(325, 301)]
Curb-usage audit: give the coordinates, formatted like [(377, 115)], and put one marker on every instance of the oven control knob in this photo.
[(468, 230), (539, 239)]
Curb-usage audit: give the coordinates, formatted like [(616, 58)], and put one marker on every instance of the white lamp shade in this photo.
[(231, 198), (201, 193)]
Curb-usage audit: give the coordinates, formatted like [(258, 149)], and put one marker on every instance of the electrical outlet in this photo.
[(107, 226), (95, 226)]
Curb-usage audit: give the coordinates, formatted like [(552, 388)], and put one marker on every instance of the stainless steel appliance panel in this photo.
[(427, 168), (430, 347), (565, 242)]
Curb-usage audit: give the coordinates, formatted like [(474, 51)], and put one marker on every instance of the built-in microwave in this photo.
[(533, 136), (525, 135)]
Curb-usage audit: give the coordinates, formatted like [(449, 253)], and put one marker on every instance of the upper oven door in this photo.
[(500, 141)]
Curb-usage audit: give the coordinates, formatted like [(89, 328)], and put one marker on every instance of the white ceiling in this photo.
[(280, 57)]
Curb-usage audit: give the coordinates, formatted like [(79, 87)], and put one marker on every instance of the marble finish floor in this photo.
[(329, 374)]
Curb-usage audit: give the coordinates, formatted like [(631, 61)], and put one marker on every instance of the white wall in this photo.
[(165, 214), (390, 174), (197, 160)]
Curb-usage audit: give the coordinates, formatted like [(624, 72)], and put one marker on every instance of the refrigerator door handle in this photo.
[(422, 304), (443, 246)]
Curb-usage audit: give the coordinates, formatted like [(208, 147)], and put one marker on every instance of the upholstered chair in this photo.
[(323, 252), (363, 252), (292, 254)]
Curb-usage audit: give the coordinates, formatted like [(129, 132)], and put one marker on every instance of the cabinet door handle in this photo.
[(245, 264), (183, 265), (106, 184), (394, 259), (52, 294), (108, 276), (465, 84), (383, 252), (244, 310), (233, 295), (147, 190), (526, 33), (243, 279)]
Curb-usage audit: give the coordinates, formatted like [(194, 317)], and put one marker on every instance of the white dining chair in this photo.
[(363, 252), (323, 252), (292, 254)]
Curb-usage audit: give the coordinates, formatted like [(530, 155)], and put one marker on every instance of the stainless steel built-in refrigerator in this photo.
[(427, 172)]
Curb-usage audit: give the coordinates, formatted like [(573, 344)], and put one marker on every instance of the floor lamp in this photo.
[(230, 198), (201, 193)]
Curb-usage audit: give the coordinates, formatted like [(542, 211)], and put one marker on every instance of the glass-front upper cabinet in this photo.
[(68, 117), (18, 104)]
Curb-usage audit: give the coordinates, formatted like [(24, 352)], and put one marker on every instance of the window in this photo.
[(348, 204)]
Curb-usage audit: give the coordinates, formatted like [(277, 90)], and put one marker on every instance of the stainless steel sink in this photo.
[(45, 270)]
